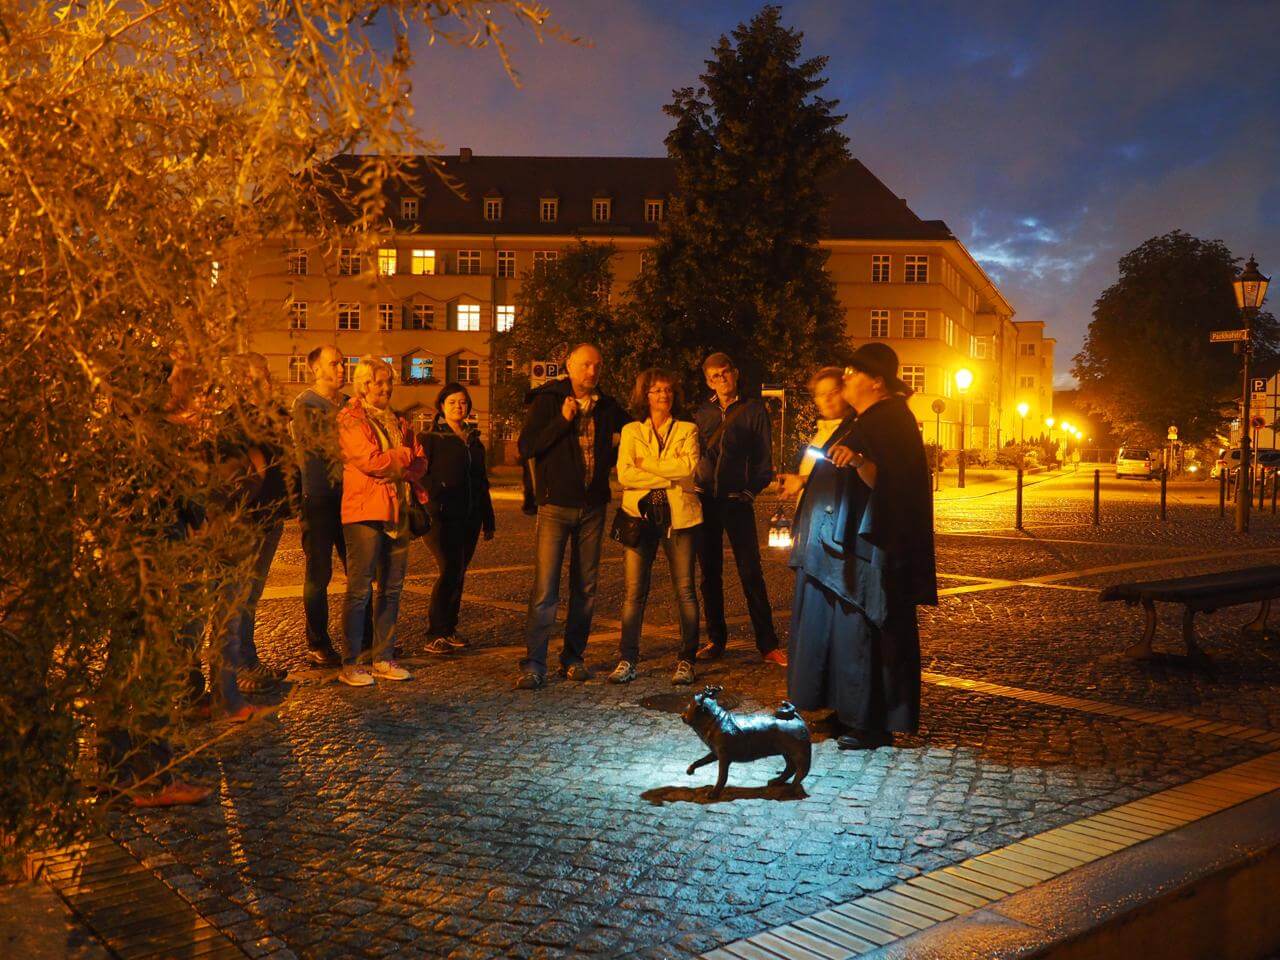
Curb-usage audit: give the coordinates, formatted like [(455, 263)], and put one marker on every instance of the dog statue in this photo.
[(739, 739)]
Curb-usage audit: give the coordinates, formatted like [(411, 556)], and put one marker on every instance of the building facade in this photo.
[(429, 292)]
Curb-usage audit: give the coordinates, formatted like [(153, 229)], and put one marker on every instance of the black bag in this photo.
[(419, 517), (628, 530)]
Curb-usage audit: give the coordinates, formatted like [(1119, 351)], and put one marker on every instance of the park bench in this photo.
[(1205, 593)]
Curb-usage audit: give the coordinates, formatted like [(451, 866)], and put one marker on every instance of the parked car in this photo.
[(1140, 462), (1266, 459)]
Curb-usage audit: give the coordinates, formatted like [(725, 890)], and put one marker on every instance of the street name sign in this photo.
[(1226, 336)]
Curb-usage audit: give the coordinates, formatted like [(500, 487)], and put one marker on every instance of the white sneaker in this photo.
[(353, 676), (390, 670)]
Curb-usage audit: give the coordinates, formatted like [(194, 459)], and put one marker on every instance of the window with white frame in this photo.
[(352, 363), (408, 208), (296, 262), (468, 261), (601, 209), (915, 324), (348, 262), (422, 316), (468, 317), (980, 348), (1027, 349), (386, 261), (424, 263), (654, 210), (467, 370), (915, 268), (541, 258), (505, 318), (297, 369), (879, 324), (421, 369), (493, 208), (299, 315), (880, 266), (386, 316), (1026, 383), (548, 209), (949, 328), (348, 316), (506, 263), (913, 376)]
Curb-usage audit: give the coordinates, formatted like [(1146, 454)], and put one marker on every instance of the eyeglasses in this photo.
[(720, 375), (662, 392)]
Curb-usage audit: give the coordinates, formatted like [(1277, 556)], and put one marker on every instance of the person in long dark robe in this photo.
[(864, 560)]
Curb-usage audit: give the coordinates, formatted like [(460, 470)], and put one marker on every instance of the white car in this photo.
[(1137, 462)]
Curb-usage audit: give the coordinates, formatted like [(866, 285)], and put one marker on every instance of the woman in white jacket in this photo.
[(656, 459)]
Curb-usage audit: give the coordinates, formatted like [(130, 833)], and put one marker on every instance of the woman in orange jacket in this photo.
[(382, 464)]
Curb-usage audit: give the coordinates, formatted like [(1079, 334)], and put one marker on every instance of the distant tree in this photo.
[(1147, 361), (737, 266)]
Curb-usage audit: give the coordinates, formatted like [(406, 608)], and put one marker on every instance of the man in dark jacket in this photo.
[(571, 435), (736, 464)]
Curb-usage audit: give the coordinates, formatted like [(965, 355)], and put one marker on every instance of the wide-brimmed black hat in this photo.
[(879, 360)]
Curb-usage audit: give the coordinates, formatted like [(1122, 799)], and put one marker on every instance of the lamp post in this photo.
[(964, 380), (1022, 422), (1251, 289)]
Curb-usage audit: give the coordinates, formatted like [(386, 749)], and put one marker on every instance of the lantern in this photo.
[(780, 530)]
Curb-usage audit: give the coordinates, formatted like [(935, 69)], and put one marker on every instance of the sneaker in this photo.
[(575, 671), (353, 676), (710, 651), (324, 657), (258, 678), (390, 670), (624, 672), (457, 642), (683, 675), (776, 656), (531, 681), (439, 647)]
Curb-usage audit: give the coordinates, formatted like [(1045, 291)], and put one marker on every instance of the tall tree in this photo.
[(1147, 361), (737, 266)]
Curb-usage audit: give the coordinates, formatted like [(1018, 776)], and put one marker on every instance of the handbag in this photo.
[(419, 517), (628, 530)]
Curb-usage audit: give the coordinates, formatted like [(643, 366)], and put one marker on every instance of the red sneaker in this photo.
[(776, 655)]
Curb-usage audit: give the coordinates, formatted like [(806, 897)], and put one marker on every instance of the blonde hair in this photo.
[(367, 371)]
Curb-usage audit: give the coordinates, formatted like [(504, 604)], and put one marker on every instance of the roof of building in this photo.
[(860, 205)]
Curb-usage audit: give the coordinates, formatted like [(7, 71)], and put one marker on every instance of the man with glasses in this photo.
[(736, 464)]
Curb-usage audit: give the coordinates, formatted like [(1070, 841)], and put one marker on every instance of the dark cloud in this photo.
[(1053, 138)]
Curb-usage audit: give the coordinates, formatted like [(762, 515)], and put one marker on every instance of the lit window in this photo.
[(296, 262), (297, 369), (424, 262), (548, 210), (653, 211), (947, 382), (391, 362), (468, 370), (506, 317), (1026, 383), (299, 314), (1028, 350), (506, 263), (978, 348), (468, 316), (915, 268), (949, 326), (880, 267), (348, 316), (913, 376), (421, 369), (386, 316), (601, 210), (352, 363), (387, 261), (422, 317), (348, 262), (409, 208), (915, 324), (543, 257), (879, 324), (468, 261), (493, 208)]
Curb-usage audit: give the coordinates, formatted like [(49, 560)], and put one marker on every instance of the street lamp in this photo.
[(1251, 289), (964, 380), (1023, 409)]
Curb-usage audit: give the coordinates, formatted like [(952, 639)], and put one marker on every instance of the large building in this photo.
[(430, 291)]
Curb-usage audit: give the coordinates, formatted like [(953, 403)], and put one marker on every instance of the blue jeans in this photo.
[(238, 649), (582, 530), (372, 552), (679, 548), (321, 535)]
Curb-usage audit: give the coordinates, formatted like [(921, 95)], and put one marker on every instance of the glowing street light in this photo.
[(1023, 409), (964, 380), (1250, 289)]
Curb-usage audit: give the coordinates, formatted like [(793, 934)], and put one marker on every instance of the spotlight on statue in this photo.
[(780, 530)]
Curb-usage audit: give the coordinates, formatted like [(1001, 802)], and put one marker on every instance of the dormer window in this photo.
[(601, 209), (548, 210), (409, 208), (653, 211), (493, 208)]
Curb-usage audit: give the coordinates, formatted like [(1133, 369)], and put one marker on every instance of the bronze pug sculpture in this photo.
[(739, 739)]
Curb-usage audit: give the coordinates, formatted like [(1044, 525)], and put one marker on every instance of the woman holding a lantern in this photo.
[(864, 560)]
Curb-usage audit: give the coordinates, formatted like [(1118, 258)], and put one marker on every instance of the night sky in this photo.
[(1051, 137)]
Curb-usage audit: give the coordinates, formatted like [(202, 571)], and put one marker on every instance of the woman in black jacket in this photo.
[(458, 486)]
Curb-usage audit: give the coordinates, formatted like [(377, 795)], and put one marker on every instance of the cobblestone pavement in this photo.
[(452, 817)]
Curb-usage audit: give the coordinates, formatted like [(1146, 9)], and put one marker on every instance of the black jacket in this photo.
[(456, 479), (551, 442), (740, 460)]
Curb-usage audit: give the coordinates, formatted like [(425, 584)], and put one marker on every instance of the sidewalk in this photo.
[(36, 925)]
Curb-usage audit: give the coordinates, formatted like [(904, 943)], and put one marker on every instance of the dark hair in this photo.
[(448, 390), (718, 359), (645, 381)]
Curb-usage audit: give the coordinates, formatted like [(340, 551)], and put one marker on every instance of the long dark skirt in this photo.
[(841, 661)]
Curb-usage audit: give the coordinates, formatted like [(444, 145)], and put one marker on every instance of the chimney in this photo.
[(464, 155)]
